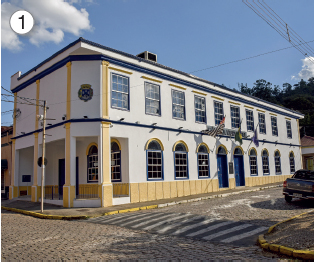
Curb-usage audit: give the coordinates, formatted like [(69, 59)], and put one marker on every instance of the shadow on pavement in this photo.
[(281, 204)]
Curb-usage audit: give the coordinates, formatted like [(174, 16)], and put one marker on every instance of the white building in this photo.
[(138, 136)]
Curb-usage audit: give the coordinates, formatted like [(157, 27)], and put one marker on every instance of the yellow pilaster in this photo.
[(35, 194), (105, 89), (68, 65), (107, 190)]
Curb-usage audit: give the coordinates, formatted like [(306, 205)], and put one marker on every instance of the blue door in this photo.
[(222, 171), (239, 170)]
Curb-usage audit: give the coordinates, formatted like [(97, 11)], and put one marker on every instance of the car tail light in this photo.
[(285, 184)]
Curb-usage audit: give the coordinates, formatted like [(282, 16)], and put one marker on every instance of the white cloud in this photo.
[(53, 18), (307, 69)]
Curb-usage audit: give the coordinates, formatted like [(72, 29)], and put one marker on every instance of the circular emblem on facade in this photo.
[(85, 92)]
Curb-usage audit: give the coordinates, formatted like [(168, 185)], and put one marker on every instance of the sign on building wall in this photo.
[(228, 132), (85, 92)]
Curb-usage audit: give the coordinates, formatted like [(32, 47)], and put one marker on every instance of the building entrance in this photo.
[(239, 167), (222, 168)]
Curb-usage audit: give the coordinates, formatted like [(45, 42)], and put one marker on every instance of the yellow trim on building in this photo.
[(37, 103), (180, 141), (177, 86), (117, 142), (248, 106), (119, 70), (233, 103), (105, 89), (242, 151), (278, 151), (197, 92), (89, 146), (221, 145), (265, 150), (204, 144), (217, 98), (67, 155), (155, 139), (290, 153), (261, 111), (254, 150), (288, 118), (68, 90), (273, 114), (151, 79), (13, 162)]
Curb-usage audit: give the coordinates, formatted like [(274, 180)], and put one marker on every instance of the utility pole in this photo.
[(43, 157)]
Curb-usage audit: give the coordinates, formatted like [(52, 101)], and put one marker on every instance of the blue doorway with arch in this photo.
[(222, 168), (239, 167)]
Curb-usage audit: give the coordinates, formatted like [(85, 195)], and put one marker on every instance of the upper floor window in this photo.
[(120, 92), (199, 103), (181, 161), (288, 129), (235, 116), (115, 162), (152, 99), (274, 126), (277, 160), (265, 162), (93, 164), (203, 162), (262, 123), (219, 113), (249, 116), (292, 163), (178, 107), (154, 161)]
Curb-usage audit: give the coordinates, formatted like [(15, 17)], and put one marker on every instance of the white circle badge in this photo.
[(21, 22)]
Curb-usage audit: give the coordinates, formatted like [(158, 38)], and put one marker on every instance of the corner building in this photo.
[(125, 129)]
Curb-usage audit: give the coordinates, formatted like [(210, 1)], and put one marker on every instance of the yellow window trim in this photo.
[(90, 145), (197, 92), (265, 150), (154, 139), (261, 111), (177, 86), (248, 106), (233, 103), (290, 154), (204, 144), (150, 79), (117, 142), (251, 149), (288, 118), (276, 151), (217, 98), (180, 141), (222, 147), (119, 70), (273, 114), (242, 151)]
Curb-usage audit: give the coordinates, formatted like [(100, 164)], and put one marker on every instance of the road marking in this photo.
[(236, 228), (192, 226), (137, 220), (135, 216), (178, 224), (164, 222), (148, 222), (246, 234), (204, 230)]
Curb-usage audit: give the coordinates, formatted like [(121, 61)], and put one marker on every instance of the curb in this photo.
[(82, 217), (303, 254)]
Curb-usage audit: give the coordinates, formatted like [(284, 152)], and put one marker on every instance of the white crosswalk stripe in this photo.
[(244, 235), (138, 216), (149, 221), (164, 222), (171, 226), (182, 230), (210, 228), (140, 219), (227, 231)]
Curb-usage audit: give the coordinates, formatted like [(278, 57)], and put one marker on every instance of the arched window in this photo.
[(265, 162), (253, 162), (221, 151), (203, 162), (115, 162), (181, 161), (277, 161), (237, 151), (292, 163), (93, 164), (154, 161)]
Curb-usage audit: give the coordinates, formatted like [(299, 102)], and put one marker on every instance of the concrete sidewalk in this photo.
[(58, 212)]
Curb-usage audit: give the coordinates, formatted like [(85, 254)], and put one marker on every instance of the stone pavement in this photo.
[(50, 209)]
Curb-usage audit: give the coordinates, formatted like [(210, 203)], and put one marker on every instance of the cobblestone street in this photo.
[(26, 238)]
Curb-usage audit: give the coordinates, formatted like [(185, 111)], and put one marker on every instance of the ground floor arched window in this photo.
[(92, 160), (277, 161), (292, 163), (203, 162), (154, 160), (181, 161), (265, 162), (253, 162), (115, 162)]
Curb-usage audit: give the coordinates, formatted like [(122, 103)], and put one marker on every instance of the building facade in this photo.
[(307, 145), (125, 129), (6, 154)]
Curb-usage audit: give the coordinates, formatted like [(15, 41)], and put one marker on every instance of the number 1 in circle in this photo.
[(22, 17)]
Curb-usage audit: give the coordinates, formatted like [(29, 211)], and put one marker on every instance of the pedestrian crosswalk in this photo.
[(186, 225)]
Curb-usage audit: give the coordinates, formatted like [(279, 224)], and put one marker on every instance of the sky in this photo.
[(217, 40)]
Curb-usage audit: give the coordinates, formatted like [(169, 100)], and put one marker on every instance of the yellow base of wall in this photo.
[(35, 193), (13, 192), (69, 194), (150, 191), (107, 195)]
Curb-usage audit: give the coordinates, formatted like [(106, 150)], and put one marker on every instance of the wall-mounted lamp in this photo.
[(276, 142), (180, 127), (122, 119), (49, 124), (137, 122), (22, 133), (64, 117), (85, 116), (153, 124)]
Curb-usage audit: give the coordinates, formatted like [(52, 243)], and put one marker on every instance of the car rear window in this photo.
[(304, 175)]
